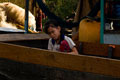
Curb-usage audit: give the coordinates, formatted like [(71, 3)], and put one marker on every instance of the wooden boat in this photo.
[(23, 57)]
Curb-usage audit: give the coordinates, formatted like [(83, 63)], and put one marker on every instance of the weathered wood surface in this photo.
[(20, 37), (97, 65), (98, 49), (30, 40), (12, 70)]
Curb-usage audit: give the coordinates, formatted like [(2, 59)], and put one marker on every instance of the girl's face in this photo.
[(54, 32)]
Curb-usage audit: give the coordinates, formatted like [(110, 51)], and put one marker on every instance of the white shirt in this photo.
[(56, 46)]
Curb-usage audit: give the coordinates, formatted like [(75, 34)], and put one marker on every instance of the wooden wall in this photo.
[(90, 64)]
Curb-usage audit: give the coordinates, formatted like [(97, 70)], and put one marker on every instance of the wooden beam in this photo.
[(95, 49), (18, 37), (109, 67), (98, 49)]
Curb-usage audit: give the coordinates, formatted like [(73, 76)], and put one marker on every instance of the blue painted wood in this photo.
[(26, 16), (102, 22)]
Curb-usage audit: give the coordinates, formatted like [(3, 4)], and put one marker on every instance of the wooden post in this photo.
[(102, 22), (26, 16)]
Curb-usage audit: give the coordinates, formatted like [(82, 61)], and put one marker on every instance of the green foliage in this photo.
[(62, 8)]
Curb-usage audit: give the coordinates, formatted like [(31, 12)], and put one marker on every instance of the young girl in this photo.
[(58, 41)]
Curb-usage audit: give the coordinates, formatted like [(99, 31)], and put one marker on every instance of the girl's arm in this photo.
[(74, 51)]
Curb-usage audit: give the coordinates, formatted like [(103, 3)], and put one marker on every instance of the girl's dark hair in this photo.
[(50, 23)]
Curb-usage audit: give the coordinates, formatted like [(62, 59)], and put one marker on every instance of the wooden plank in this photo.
[(95, 49), (98, 49), (109, 67), (116, 52), (18, 37), (25, 71)]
